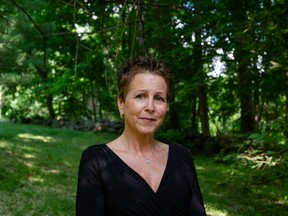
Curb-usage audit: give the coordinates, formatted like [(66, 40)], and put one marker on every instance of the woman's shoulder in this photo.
[(93, 148), (181, 152), (179, 148), (94, 151), (176, 148)]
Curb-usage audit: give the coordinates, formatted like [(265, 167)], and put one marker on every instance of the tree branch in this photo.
[(76, 37), (39, 30), (144, 4), (30, 18)]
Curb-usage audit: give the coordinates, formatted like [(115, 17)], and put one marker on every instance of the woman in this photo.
[(136, 174)]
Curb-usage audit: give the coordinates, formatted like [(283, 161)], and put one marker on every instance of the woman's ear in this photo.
[(120, 103)]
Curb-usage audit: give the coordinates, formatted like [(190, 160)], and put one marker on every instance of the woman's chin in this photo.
[(148, 131)]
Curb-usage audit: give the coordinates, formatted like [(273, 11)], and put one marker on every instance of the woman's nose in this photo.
[(150, 105)]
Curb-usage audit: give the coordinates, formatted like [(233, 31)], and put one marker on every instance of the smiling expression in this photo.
[(145, 104)]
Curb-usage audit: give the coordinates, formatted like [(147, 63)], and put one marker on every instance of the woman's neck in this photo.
[(139, 143)]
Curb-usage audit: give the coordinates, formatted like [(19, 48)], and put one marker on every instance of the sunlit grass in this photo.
[(38, 168), (39, 165), (215, 212), (31, 137)]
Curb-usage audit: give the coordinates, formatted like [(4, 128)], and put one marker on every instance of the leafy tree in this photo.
[(65, 54)]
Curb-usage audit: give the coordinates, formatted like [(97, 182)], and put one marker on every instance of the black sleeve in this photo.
[(196, 207), (89, 198)]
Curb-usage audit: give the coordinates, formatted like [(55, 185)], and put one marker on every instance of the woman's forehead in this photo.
[(147, 81)]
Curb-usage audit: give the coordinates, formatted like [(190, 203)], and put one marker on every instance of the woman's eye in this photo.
[(140, 96), (159, 98)]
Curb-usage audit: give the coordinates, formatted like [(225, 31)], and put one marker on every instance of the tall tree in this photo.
[(40, 65), (199, 69), (240, 37)]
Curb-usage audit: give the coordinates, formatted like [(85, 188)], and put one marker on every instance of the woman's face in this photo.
[(145, 104)]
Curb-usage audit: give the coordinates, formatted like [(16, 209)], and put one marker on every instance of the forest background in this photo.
[(59, 62)]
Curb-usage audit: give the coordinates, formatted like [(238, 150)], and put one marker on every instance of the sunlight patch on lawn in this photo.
[(3, 144), (45, 139), (28, 164), (215, 212), (35, 179), (52, 171), (28, 156), (67, 163), (214, 194), (200, 168)]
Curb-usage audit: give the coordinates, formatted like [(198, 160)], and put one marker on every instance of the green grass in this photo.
[(234, 189), (38, 168), (39, 165)]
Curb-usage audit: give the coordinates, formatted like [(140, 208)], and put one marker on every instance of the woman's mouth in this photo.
[(148, 119)]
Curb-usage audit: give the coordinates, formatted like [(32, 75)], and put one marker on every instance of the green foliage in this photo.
[(264, 152), (74, 50), (271, 136), (23, 105), (170, 136)]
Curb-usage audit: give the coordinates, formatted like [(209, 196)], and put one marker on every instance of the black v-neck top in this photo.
[(107, 186)]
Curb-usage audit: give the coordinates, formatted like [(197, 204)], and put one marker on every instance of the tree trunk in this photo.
[(173, 113), (93, 100), (203, 110), (286, 104), (198, 68), (194, 123), (242, 57), (247, 121), (49, 98), (49, 104)]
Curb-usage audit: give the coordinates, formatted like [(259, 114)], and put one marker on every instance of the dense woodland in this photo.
[(59, 60)]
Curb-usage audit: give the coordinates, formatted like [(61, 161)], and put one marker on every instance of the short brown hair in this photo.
[(141, 65)]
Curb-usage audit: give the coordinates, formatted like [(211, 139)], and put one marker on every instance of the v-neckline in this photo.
[(130, 169)]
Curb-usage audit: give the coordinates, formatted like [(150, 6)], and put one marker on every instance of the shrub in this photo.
[(170, 136)]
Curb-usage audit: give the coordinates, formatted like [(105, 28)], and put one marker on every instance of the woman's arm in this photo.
[(89, 199), (196, 207)]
